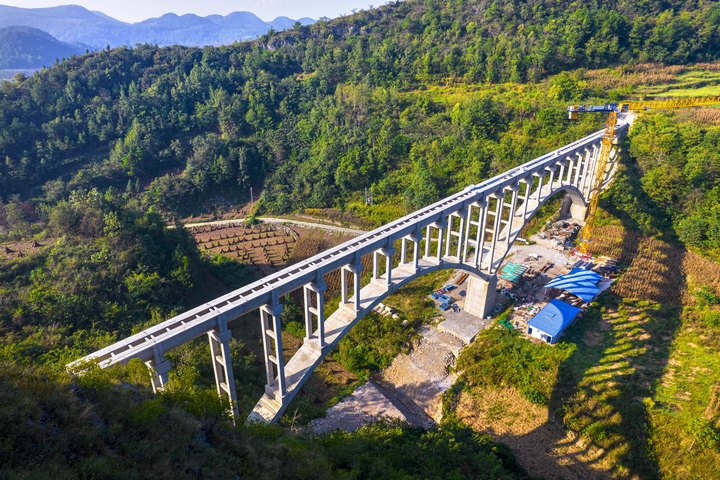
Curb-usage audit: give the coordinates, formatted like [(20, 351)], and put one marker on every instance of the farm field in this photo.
[(265, 247)]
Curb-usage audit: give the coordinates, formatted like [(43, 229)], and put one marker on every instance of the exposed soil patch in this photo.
[(24, 248)]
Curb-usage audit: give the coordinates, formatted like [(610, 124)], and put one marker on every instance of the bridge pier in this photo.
[(159, 374), (356, 270), (274, 361), (480, 296), (500, 196), (222, 366), (578, 211), (315, 310)]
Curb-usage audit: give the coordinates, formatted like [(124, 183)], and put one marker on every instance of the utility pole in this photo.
[(251, 198)]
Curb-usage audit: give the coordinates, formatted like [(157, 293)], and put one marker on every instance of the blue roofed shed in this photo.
[(580, 282), (552, 320)]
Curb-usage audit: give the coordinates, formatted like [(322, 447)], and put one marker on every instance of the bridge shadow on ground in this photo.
[(596, 422)]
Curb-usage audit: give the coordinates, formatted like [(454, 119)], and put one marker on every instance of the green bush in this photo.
[(501, 357), (707, 435)]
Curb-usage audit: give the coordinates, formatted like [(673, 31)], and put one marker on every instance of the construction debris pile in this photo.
[(558, 235)]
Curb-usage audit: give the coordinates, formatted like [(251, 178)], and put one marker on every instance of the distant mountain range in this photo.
[(76, 25), (27, 47)]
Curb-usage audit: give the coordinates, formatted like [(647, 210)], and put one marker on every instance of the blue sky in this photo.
[(136, 10)]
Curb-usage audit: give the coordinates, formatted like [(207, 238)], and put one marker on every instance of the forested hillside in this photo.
[(176, 126), (411, 101)]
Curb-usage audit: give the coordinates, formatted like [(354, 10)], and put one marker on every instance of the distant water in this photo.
[(9, 74)]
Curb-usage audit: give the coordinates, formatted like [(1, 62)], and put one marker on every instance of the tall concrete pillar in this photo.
[(343, 287), (416, 239), (388, 252), (159, 374), (496, 228), (272, 337), (357, 271), (468, 241), (480, 297), (314, 302), (480, 237), (461, 237), (428, 239), (526, 196), (552, 178), (578, 212), (222, 366), (541, 177), (441, 233), (513, 205), (579, 169), (571, 166)]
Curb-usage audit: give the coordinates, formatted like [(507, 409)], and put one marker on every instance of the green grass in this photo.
[(692, 83), (682, 399), (500, 357)]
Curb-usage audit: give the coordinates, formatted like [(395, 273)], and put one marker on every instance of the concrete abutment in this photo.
[(480, 297)]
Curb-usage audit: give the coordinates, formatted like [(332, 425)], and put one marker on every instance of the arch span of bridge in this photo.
[(472, 230)]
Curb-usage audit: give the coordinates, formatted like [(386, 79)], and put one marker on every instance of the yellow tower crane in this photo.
[(613, 109)]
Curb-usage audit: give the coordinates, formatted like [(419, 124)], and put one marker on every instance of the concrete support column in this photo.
[(578, 212), (403, 251), (578, 171), (159, 370), (480, 297), (561, 175), (526, 199), (593, 170), (376, 265), (356, 270), (468, 224), (428, 239), (513, 206), (416, 252), (461, 238), (571, 166), (389, 252), (540, 176), (587, 172), (496, 229), (480, 238), (343, 287), (222, 366), (449, 234), (314, 296), (441, 232), (552, 179), (273, 350)]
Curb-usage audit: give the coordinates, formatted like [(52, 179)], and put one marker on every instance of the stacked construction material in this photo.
[(512, 272)]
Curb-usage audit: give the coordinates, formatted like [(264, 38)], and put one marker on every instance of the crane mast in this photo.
[(613, 109)]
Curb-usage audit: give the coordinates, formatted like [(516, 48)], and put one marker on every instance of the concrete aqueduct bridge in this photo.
[(472, 230)]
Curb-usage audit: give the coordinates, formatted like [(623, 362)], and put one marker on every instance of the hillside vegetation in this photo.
[(412, 101), (174, 127)]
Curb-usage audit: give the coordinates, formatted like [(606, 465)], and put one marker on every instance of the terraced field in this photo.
[(265, 247)]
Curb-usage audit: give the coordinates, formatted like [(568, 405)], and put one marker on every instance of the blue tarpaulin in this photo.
[(554, 318), (580, 282)]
